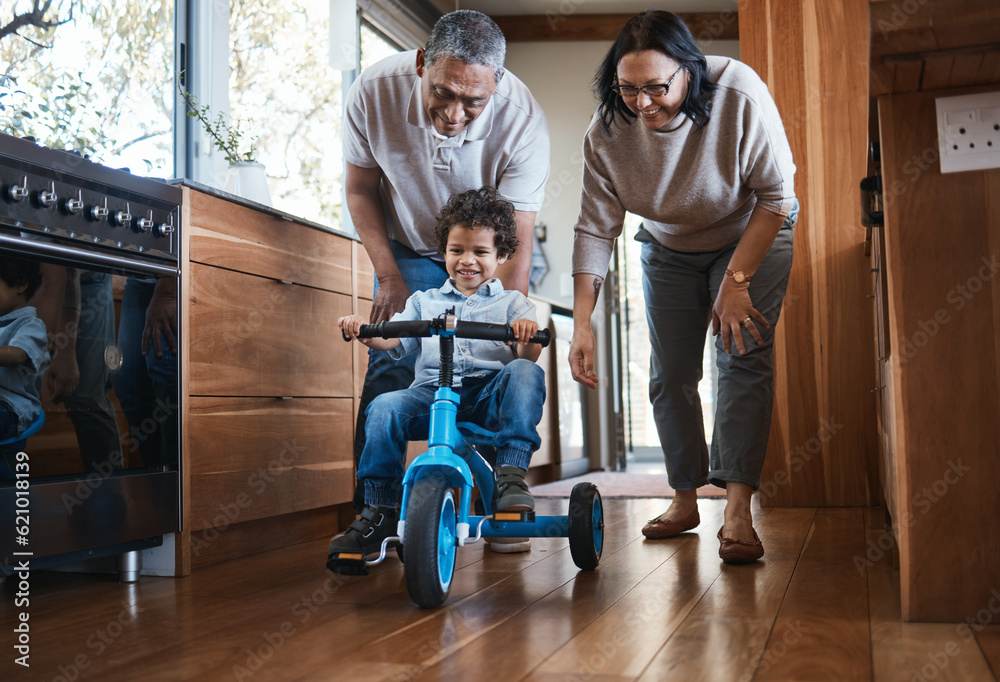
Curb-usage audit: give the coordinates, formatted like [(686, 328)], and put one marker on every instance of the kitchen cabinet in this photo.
[(941, 394), (270, 389)]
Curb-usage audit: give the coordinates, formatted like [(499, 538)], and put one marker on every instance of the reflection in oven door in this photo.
[(89, 382)]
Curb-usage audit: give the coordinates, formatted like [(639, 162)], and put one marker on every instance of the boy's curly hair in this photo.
[(483, 207), (17, 272)]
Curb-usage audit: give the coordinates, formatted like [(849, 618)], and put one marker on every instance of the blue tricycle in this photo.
[(433, 521)]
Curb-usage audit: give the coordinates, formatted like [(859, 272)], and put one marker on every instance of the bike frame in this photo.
[(451, 455)]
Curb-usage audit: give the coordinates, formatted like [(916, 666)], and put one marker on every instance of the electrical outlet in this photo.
[(969, 131)]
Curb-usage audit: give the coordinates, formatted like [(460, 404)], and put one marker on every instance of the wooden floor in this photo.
[(663, 610)]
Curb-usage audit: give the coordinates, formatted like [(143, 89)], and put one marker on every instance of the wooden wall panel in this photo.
[(941, 235), (571, 25), (823, 448), (260, 337)]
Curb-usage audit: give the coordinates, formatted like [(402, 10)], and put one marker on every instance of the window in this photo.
[(101, 78), (94, 77), (375, 45), (283, 89)]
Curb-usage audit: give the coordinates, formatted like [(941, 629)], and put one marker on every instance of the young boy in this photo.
[(24, 354), (501, 387)]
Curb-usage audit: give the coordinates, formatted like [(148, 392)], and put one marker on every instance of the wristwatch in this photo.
[(738, 276)]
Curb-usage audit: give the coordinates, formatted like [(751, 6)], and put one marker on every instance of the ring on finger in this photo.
[(744, 321)]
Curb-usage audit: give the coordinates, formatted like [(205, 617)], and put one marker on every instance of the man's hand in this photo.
[(63, 376), (161, 319), (389, 299)]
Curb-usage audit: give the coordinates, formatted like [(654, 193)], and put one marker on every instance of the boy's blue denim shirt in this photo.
[(473, 357)]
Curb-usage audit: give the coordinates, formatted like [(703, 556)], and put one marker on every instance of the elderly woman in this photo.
[(693, 145)]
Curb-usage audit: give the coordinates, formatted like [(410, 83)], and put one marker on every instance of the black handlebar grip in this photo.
[(496, 332), (543, 337), (393, 330)]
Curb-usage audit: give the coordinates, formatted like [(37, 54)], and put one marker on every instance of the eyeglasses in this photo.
[(651, 90)]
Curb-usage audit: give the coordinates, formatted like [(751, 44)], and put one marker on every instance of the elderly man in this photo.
[(419, 127)]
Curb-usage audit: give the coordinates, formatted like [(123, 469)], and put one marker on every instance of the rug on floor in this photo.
[(620, 484)]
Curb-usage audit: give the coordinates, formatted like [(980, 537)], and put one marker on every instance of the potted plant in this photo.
[(246, 177)]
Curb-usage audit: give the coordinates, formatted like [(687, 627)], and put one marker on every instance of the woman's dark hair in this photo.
[(667, 33), (16, 272), (483, 207)]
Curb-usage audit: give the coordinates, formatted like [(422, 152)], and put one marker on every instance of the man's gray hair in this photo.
[(469, 36)]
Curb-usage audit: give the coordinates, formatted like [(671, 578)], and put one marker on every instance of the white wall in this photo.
[(560, 76)]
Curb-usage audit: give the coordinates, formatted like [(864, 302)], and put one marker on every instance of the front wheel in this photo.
[(586, 526), (430, 541)]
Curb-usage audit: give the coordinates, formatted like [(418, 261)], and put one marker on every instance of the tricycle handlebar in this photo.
[(463, 329)]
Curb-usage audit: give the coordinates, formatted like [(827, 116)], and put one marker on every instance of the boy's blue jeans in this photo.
[(386, 374), (509, 403)]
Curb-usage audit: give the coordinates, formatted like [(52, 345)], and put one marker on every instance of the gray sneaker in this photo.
[(511, 491), (509, 545)]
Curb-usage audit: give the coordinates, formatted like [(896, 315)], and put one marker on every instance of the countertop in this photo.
[(270, 210)]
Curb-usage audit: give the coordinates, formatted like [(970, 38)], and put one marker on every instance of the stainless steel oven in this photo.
[(101, 477)]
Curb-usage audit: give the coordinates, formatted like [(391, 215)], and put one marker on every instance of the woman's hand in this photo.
[(581, 357), (733, 311)]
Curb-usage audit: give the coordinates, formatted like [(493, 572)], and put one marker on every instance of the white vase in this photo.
[(247, 179)]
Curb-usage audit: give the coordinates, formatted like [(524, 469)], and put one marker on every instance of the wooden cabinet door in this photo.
[(253, 336)]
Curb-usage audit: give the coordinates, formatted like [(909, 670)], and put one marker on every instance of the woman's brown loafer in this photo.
[(656, 529), (739, 552)]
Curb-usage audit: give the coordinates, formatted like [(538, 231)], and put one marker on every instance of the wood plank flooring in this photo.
[(820, 606)]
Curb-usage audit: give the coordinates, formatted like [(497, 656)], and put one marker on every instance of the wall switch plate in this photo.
[(969, 131), (566, 285)]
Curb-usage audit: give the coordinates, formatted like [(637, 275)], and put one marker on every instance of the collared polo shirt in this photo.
[(473, 357), (385, 126), (20, 386)]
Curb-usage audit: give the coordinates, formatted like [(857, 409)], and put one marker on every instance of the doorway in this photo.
[(642, 442)]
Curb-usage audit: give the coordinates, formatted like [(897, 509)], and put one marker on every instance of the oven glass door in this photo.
[(103, 468)]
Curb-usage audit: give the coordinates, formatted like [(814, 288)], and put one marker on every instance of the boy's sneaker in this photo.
[(511, 491), (366, 534)]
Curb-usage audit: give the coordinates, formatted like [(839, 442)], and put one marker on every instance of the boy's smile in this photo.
[(471, 257)]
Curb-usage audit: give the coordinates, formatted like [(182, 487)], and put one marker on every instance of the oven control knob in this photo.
[(17, 192), (99, 212), (165, 229), (47, 197), (122, 218), (74, 206), (145, 224)]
